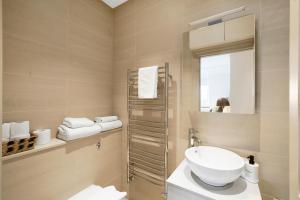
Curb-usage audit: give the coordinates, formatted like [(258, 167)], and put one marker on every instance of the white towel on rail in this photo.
[(106, 119), (106, 126), (77, 122), (147, 82), (68, 134)]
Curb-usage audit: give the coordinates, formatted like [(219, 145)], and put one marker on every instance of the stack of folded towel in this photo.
[(74, 128), (109, 122), (15, 131), (95, 192)]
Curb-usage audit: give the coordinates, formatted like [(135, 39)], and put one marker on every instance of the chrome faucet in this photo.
[(193, 139)]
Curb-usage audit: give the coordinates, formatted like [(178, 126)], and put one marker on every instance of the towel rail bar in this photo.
[(141, 140), (154, 180), (147, 153), (157, 165), (147, 106), (160, 76), (143, 106), (144, 100), (135, 154), (153, 109), (158, 172), (153, 128), (144, 128), (147, 121), (148, 135)]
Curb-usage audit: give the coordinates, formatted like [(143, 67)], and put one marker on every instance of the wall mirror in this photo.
[(227, 82), (224, 54)]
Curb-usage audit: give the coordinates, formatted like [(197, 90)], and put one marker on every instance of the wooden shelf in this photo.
[(53, 144), (38, 148), (98, 134)]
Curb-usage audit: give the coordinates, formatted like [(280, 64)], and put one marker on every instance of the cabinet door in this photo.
[(240, 28), (207, 36)]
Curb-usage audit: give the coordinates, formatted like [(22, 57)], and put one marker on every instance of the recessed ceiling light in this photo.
[(114, 3)]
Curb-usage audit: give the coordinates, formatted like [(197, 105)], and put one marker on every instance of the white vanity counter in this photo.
[(182, 185)]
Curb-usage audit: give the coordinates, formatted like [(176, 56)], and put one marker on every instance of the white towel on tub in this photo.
[(147, 82), (67, 134), (77, 122), (106, 126), (106, 119)]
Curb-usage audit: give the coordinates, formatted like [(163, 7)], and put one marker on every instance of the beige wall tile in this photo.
[(273, 90), (62, 172), (20, 19), (26, 58), (58, 58), (146, 33)]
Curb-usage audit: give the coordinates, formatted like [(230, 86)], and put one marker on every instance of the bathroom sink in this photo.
[(214, 166)]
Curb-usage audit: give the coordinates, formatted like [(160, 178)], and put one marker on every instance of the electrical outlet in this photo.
[(99, 145)]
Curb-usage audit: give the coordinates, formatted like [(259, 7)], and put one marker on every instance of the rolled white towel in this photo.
[(6, 131), (67, 133), (111, 125), (106, 119), (77, 122), (19, 130)]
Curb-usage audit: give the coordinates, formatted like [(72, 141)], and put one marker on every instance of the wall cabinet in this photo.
[(226, 32), (207, 36), (240, 28)]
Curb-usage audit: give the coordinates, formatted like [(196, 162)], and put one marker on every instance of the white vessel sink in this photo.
[(214, 166)]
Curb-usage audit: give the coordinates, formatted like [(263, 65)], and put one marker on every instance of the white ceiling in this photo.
[(114, 3)]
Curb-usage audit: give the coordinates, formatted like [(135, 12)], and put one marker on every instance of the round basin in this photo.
[(214, 166)]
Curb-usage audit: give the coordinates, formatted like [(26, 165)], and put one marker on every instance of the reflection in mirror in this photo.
[(228, 82)]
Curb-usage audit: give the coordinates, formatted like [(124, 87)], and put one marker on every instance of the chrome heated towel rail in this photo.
[(148, 130)]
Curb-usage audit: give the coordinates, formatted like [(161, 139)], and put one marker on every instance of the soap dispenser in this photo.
[(250, 172)]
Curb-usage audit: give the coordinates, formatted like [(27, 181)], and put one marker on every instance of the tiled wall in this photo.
[(60, 173), (58, 57), (153, 32), (57, 60)]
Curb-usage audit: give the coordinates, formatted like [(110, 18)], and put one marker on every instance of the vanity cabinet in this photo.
[(223, 33)]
